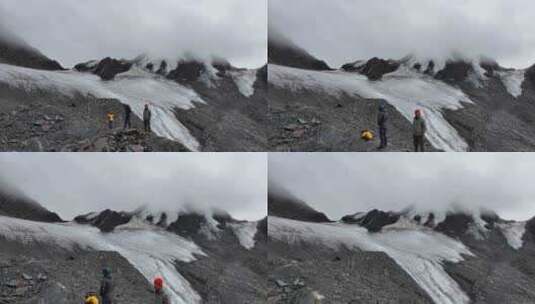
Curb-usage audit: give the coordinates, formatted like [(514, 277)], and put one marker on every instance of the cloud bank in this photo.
[(341, 31), (344, 183), (74, 31), (71, 184)]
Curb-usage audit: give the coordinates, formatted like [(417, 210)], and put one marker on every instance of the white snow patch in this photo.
[(513, 232), (419, 252), (135, 87), (209, 75), (407, 90), (152, 252), (245, 81), (245, 232), (513, 80)]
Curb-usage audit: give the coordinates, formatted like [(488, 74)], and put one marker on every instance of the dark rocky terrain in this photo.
[(284, 204), (48, 122), (284, 52), (15, 51), (48, 275), (16, 204)]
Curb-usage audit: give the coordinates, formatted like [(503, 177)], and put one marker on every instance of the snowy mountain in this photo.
[(470, 104), (196, 105), (448, 257), (203, 258)]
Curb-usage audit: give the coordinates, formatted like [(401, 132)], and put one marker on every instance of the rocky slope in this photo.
[(283, 51), (16, 204), (470, 104), (282, 203), (15, 51)]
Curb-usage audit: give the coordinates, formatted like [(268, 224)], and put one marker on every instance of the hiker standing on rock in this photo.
[(160, 297), (111, 119), (127, 112), (106, 286), (381, 122), (147, 114), (418, 131)]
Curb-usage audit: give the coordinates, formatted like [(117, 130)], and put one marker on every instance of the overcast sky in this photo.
[(73, 31), (341, 31), (344, 183), (71, 184)]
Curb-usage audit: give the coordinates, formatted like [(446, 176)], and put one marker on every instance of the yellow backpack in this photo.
[(91, 298), (366, 135)]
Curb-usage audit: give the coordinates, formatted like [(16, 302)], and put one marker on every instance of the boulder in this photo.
[(375, 68), (186, 71), (374, 220), (108, 68), (106, 221), (455, 71)]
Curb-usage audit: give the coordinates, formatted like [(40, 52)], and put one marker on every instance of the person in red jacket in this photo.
[(160, 297)]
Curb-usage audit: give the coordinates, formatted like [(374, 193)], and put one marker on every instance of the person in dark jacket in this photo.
[(146, 118), (381, 122), (127, 112), (106, 286), (160, 297), (419, 128)]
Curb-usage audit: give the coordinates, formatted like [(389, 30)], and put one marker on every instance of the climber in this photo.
[(106, 286), (91, 298), (127, 112), (111, 119), (146, 118), (160, 296), (381, 122), (418, 131)]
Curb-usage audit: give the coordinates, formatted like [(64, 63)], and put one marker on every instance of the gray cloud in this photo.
[(344, 183), (72, 184), (341, 31), (72, 31)]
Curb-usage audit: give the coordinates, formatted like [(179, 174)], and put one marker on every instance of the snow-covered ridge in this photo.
[(135, 87), (513, 80), (513, 233), (243, 78), (407, 90), (245, 232), (152, 252), (419, 252)]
